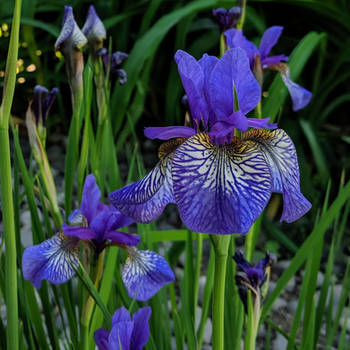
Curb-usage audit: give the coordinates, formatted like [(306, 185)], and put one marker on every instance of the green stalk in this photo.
[(242, 19), (6, 185), (199, 252), (221, 245)]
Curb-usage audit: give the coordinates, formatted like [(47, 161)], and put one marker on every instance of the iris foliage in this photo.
[(102, 269)]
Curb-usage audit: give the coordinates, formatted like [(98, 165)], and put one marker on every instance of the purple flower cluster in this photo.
[(96, 224)]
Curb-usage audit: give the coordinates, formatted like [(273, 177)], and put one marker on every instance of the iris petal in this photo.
[(235, 38), (300, 96), (144, 273), (145, 199), (280, 154), (219, 189), (168, 132), (269, 40), (93, 27), (101, 339), (233, 72), (140, 333), (120, 335), (90, 198), (192, 77), (50, 260)]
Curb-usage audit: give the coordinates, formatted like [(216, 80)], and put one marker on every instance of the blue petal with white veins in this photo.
[(144, 273), (280, 154), (220, 189), (51, 260), (146, 199)]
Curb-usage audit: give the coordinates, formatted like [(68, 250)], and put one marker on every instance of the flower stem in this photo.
[(221, 245), (12, 335), (242, 19)]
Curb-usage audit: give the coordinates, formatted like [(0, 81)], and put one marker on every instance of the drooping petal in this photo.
[(280, 154), (168, 132), (273, 60), (146, 199), (140, 333), (90, 198), (192, 78), (300, 96), (70, 34), (120, 335), (50, 260), (261, 123), (144, 273), (93, 28), (81, 232), (122, 238), (101, 339), (235, 38), (219, 189), (269, 40), (233, 72)]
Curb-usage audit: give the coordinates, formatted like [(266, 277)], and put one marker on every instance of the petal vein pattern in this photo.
[(280, 154), (220, 189), (146, 199)]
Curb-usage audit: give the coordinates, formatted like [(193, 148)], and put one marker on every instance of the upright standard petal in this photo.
[(231, 73), (90, 198), (140, 333), (235, 38), (280, 154), (300, 96), (120, 335), (146, 199), (220, 189), (269, 40), (144, 273), (51, 260), (101, 339), (192, 77)]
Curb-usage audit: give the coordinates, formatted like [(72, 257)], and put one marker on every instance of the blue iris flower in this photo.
[(127, 333), (97, 224), (260, 56), (220, 183), (251, 277)]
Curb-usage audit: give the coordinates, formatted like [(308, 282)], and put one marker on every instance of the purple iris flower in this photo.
[(127, 333), (251, 276), (97, 222), (144, 271), (220, 183), (227, 18), (114, 62), (260, 57), (43, 100)]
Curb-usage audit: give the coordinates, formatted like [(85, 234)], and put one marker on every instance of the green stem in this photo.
[(10, 241), (221, 245), (199, 252), (242, 19), (6, 185)]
